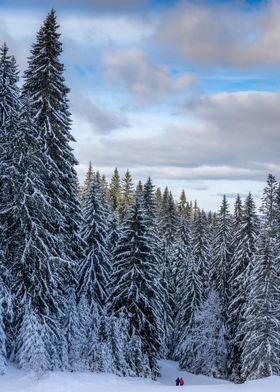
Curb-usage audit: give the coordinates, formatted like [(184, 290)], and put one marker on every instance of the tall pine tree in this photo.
[(135, 281), (9, 121), (36, 254), (244, 249), (261, 348), (45, 88), (95, 267), (222, 253)]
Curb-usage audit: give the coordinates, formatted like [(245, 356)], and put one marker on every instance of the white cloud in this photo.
[(222, 35), (106, 29), (101, 120), (230, 136), (143, 78)]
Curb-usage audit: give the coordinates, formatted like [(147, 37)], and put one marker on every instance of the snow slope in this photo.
[(18, 380)]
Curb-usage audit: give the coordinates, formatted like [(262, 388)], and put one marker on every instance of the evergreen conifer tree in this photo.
[(150, 205), (159, 200), (168, 220), (3, 354), (244, 250), (150, 202), (127, 193), (206, 345), (261, 348), (44, 87), (135, 281), (38, 259), (9, 115), (182, 256), (31, 349), (189, 303), (94, 269), (74, 336), (201, 249), (9, 120), (222, 253), (269, 204), (87, 184), (115, 192), (183, 201)]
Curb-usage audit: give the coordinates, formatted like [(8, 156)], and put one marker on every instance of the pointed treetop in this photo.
[(183, 199), (139, 187), (237, 211), (4, 49)]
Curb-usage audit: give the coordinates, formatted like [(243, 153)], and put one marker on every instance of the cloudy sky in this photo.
[(184, 91)]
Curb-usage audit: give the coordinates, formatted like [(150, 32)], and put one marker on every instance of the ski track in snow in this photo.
[(18, 380)]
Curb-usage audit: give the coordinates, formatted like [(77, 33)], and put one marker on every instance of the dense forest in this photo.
[(111, 277)]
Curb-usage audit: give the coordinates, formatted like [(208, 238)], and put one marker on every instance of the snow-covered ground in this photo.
[(17, 380)]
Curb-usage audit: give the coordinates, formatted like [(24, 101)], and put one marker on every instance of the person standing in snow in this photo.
[(177, 381), (182, 382)]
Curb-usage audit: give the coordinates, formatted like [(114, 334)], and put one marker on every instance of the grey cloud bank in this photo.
[(235, 136), (101, 120), (210, 34), (147, 81)]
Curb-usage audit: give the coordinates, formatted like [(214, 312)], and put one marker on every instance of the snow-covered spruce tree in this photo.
[(150, 204), (277, 220), (87, 184), (118, 341), (269, 204), (137, 360), (206, 344), (246, 228), (74, 336), (32, 353), (221, 253), (3, 355), (232, 320), (159, 201), (192, 296), (201, 248), (103, 185), (36, 255), (108, 346), (9, 118), (135, 283), (127, 194), (193, 291), (277, 227), (182, 243), (113, 234), (88, 321), (94, 269), (182, 255), (271, 213), (194, 285), (168, 221), (168, 218), (183, 201), (100, 353), (44, 85), (261, 348), (9, 114), (115, 192)]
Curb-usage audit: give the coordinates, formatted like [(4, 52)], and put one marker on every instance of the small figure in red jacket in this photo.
[(182, 382)]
